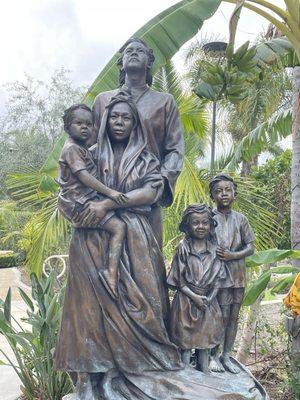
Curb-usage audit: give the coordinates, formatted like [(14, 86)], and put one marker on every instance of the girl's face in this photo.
[(199, 225), (120, 122)]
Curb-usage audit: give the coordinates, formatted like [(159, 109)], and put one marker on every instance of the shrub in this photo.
[(8, 259), (33, 348)]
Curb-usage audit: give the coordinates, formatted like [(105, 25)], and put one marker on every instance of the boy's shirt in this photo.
[(74, 158), (234, 233)]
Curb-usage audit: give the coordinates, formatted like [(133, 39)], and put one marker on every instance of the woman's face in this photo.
[(199, 225), (120, 122)]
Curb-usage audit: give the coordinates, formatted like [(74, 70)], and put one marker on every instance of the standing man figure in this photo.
[(235, 239), (158, 114)]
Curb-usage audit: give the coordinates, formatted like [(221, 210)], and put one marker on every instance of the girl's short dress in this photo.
[(191, 327)]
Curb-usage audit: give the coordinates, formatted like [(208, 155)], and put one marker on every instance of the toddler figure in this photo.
[(79, 186)]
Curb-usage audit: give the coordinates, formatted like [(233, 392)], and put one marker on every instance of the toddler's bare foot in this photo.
[(215, 365), (110, 282), (228, 364)]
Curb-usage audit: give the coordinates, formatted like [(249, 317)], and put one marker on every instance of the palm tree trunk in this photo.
[(295, 173)]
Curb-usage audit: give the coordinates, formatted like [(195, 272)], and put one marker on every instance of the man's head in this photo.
[(223, 190), (78, 122), (135, 55)]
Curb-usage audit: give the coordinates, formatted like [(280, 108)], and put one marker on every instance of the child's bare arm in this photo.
[(227, 255), (88, 180)]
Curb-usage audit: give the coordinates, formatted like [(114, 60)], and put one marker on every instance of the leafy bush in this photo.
[(274, 183), (33, 348), (8, 259)]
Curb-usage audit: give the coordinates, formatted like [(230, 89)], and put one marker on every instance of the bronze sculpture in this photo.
[(196, 274), (159, 116), (235, 242), (116, 342)]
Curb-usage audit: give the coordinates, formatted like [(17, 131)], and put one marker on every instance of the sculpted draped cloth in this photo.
[(159, 114)]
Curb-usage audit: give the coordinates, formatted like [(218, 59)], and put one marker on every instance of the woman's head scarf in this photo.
[(136, 144)]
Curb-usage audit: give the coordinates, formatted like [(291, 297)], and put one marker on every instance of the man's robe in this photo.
[(160, 118)]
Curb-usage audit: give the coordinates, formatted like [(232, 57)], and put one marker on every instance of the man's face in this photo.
[(224, 194), (199, 225), (81, 128), (135, 57), (120, 122)]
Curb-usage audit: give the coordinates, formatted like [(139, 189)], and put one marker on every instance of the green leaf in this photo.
[(7, 306), (256, 288), (51, 310), (287, 269), (259, 139), (271, 256), (278, 51), (283, 283), (26, 299), (208, 92), (38, 293)]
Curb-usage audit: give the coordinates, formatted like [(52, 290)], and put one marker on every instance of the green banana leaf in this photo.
[(165, 34), (257, 287), (278, 50), (271, 256)]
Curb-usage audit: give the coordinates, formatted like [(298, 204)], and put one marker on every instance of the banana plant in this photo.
[(230, 78), (259, 285)]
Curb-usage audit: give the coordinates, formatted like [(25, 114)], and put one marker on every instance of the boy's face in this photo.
[(223, 193), (81, 128), (199, 225)]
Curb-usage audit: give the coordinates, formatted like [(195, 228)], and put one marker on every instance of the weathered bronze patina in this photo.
[(114, 338)]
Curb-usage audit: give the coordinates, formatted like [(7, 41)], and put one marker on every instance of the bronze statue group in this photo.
[(119, 337)]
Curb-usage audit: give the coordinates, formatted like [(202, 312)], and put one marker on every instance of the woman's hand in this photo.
[(97, 211)]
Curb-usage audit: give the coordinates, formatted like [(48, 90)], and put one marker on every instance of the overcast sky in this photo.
[(39, 36)]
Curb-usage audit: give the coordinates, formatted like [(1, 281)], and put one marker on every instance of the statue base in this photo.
[(187, 384)]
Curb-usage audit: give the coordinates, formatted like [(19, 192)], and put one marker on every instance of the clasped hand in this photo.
[(200, 301)]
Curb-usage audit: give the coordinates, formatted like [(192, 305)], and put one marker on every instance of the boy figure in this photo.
[(235, 239), (77, 177)]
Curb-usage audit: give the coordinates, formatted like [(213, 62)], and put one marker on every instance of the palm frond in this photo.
[(48, 227), (263, 136)]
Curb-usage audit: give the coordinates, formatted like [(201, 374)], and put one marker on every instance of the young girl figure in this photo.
[(196, 274)]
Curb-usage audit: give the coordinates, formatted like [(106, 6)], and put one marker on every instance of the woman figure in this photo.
[(96, 328)]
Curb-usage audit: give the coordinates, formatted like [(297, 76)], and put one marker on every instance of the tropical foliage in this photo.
[(265, 258), (33, 347)]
